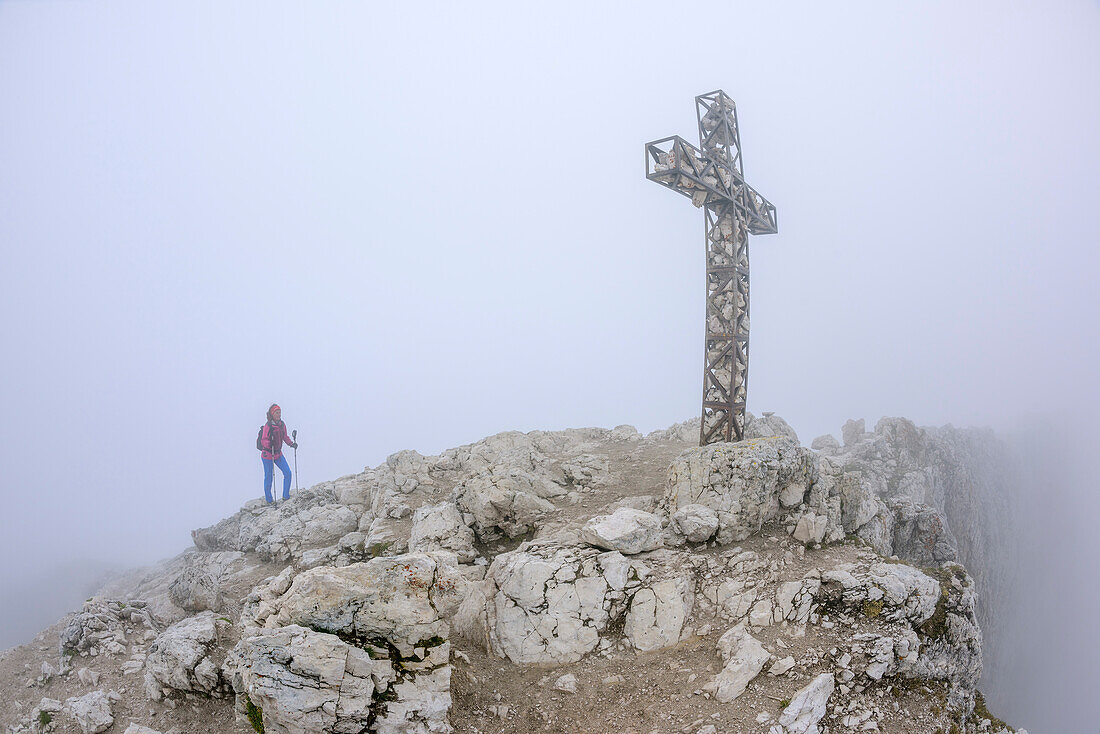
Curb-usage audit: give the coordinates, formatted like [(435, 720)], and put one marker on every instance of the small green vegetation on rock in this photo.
[(377, 549), (784, 703), (872, 608), (981, 711), (255, 715), (936, 626), (44, 718)]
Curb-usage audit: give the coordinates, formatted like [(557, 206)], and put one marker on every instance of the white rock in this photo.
[(440, 527), (540, 604), (139, 729), (696, 522), (743, 658), (626, 530), (767, 425), (88, 677), (313, 518), (92, 712), (761, 613), (304, 681), (741, 482), (567, 683), (811, 528), (792, 495), (505, 499), (180, 659), (807, 706), (781, 666), (657, 614)]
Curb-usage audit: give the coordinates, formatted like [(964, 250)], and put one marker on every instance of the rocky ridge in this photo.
[(586, 579)]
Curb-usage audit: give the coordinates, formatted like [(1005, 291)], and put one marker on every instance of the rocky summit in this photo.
[(585, 580)]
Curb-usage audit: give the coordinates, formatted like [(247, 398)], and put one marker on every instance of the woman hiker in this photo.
[(270, 442)]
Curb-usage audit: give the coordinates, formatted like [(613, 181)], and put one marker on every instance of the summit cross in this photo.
[(713, 178)]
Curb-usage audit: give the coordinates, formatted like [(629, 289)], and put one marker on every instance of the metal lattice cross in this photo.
[(713, 179)]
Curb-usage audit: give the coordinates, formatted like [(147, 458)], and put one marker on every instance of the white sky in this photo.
[(416, 226)]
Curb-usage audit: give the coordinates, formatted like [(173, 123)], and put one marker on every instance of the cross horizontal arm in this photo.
[(678, 165)]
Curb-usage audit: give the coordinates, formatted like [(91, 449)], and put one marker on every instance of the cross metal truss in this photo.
[(713, 178)]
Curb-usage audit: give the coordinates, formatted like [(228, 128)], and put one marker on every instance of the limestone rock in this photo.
[(566, 683), (88, 677), (440, 527), (91, 712), (300, 681), (626, 530), (808, 706), (505, 501), (198, 587), (741, 482), (743, 657), (586, 471), (183, 658), (811, 528), (768, 425), (853, 431), (657, 614), (400, 599), (548, 602), (781, 666), (686, 432), (98, 626), (920, 533), (891, 590), (139, 729), (697, 523), (313, 518), (794, 600)]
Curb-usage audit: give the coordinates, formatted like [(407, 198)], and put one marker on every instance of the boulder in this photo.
[(98, 627), (440, 527), (313, 518), (657, 614), (91, 712), (626, 530), (808, 706), (506, 501), (398, 601), (586, 471), (811, 528), (743, 657), (794, 600), (199, 586), (548, 602), (697, 523), (768, 425), (184, 658), (300, 681), (566, 683), (741, 482), (852, 431)]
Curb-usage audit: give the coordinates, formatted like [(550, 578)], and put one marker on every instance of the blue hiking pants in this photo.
[(269, 474)]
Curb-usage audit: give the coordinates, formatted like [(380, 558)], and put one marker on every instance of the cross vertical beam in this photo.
[(712, 177)]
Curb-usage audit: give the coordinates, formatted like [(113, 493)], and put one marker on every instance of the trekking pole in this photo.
[(294, 437)]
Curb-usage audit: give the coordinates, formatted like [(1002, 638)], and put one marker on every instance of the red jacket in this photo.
[(273, 437)]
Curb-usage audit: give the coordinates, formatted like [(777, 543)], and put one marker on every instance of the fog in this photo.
[(416, 226)]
